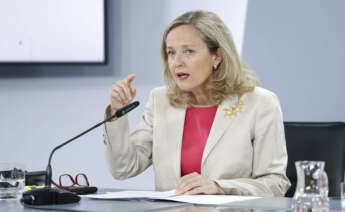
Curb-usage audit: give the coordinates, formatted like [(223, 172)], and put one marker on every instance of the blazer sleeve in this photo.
[(270, 155), (127, 155)]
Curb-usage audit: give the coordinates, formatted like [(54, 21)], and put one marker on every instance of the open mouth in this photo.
[(182, 75)]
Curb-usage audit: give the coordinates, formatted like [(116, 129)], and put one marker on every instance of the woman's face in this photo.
[(190, 61)]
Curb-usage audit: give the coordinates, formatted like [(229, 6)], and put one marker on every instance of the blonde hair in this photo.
[(231, 77)]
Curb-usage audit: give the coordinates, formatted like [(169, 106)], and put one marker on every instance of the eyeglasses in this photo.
[(67, 181)]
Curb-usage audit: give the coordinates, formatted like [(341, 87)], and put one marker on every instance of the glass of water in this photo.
[(12, 180)]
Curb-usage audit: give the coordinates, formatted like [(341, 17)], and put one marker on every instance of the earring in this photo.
[(215, 67)]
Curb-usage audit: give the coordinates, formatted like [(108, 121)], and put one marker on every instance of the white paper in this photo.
[(133, 195), (171, 195), (209, 199)]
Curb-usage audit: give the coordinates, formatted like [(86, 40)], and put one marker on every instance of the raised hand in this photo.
[(121, 93)]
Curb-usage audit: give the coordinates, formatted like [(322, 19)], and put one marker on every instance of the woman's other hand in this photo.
[(194, 183), (121, 93)]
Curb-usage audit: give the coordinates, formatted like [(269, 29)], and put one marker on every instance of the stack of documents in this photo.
[(172, 196)]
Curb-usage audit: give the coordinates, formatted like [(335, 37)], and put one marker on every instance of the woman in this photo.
[(211, 130)]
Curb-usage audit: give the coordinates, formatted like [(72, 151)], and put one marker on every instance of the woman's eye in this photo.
[(170, 53), (189, 51)]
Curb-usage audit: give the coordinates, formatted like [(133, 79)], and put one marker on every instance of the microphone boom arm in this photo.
[(117, 114)]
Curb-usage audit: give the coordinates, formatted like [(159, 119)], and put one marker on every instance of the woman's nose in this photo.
[(178, 60)]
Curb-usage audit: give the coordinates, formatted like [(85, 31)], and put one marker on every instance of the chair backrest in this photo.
[(320, 141)]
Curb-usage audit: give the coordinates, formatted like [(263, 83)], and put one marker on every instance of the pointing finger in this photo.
[(128, 80)]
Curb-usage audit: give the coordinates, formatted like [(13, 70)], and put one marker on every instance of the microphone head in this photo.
[(126, 109)]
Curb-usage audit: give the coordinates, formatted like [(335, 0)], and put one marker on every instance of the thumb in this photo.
[(133, 91)]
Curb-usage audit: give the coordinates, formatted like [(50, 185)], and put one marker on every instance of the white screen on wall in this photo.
[(52, 31)]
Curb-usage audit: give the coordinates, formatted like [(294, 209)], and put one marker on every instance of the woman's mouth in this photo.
[(182, 76)]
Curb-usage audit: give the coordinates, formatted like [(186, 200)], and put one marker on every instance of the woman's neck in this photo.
[(203, 100)]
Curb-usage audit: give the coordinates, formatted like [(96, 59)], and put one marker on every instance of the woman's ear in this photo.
[(218, 56)]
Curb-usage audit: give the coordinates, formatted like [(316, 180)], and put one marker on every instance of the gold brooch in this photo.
[(233, 110)]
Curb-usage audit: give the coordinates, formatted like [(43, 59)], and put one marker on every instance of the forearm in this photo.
[(124, 157), (266, 186)]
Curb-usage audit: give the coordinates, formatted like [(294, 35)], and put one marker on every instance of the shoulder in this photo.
[(159, 91), (260, 92), (261, 97), (159, 94)]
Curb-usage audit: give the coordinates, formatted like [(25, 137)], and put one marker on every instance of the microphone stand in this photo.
[(48, 195), (49, 168)]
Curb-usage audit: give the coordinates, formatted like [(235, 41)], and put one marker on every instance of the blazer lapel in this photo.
[(175, 133), (220, 124)]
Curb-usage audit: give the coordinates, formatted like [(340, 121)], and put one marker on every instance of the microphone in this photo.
[(48, 195)]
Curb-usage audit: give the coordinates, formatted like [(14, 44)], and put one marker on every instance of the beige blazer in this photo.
[(245, 152)]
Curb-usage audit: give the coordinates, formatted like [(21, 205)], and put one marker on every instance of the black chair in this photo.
[(320, 141)]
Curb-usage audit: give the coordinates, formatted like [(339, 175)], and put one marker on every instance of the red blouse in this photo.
[(197, 126)]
